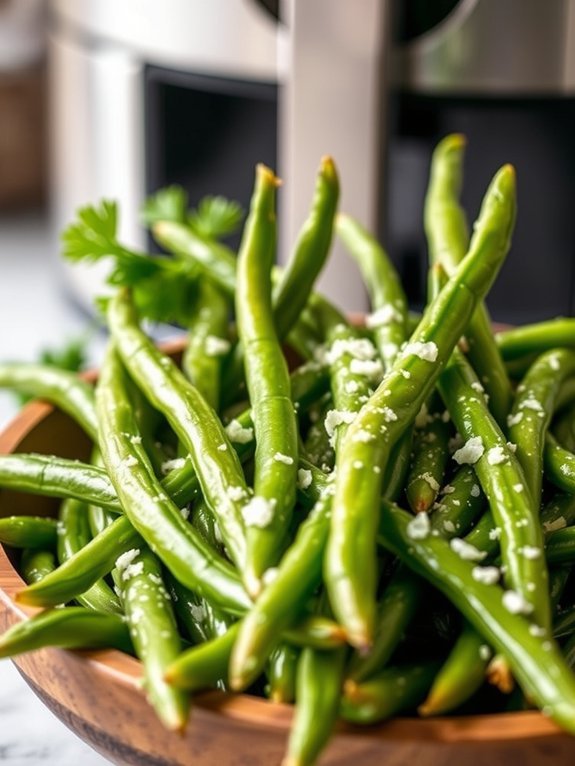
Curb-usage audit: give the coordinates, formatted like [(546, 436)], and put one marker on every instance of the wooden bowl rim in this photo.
[(125, 670)]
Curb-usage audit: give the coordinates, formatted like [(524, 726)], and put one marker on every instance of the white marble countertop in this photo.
[(35, 313)]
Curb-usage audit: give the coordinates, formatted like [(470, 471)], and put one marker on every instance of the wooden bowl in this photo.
[(98, 694)]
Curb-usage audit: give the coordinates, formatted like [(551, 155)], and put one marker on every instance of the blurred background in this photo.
[(100, 98)]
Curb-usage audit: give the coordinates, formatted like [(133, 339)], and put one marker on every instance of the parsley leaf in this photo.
[(168, 204), (215, 217)]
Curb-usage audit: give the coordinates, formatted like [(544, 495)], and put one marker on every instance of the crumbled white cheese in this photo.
[(530, 552), (236, 493), (448, 490), (406, 374), (495, 533), (238, 434), (426, 351), (279, 457), (449, 526), (383, 316), (496, 455), (132, 570), (512, 447), (518, 487), (466, 551), (335, 418), (554, 363), (258, 512), (419, 527), (371, 368), (553, 526), (363, 436), (136, 439), (185, 513), (303, 478), (171, 465), (531, 404), (388, 414), (215, 346), (390, 350), (127, 558), (486, 575), (423, 417), (130, 461), (471, 451), (429, 479), (222, 447), (475, 490), (358, 348), (351, 387), (513, 420), (516, 603)]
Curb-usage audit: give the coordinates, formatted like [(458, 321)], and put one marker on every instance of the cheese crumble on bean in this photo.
[(426, 351), (259, 512), (419, 527), (215, 346), (466, 551), (471, 451), (238, 434)]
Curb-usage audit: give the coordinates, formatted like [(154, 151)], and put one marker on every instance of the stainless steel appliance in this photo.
[(195, 92)]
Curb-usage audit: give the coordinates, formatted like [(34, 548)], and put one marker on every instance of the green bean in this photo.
[(462, 674), (317, 445), (504, 484), (448, 238), (36, 564), (569, 652), (396, 470), (535, 661), (564, 623), (207, 341), (215, 463), (281, 673), (349, 568), (71, 628), (536, 338), (559, 465), (560, 546), (201, 621), (388, 302), (149, 509), (532, 411), (28, 532), (267, 515), (310, 251), (64, 389), (393, 690), (58, 477), (73, 534), (318, 694), (201, 667), (94, 560), (153, 631), (428, 462)]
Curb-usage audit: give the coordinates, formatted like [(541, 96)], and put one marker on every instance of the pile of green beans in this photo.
[(382, 525)]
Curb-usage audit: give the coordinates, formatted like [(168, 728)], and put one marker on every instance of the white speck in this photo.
[(496, 456), (423, 417), (449, 526), (518, 487), (171, 465), (383, 316), (303, 478), (215, 346), (554, 363), (419, 527), (531, 404), (516, 603), (475, 490), (126, 559), (512, 447), (198, 612), (486, 575), (130, 461), (238, 434), (351, 387), (406, 374), (363, 436), (358, 464), (136, 439), (485, 652), (530, 552), (553, 526), (448, 489), (495, 533), (426, 351), (279, 457), (133, 570), (522, 523), (471, 451), (185, 513), (537, 631), (466, 551), (513, 420), (390, 350), (259, 512), (222, 447), (270, 575), (388, 414)]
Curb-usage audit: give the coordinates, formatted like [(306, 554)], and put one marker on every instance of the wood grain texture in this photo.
[(98, 694)]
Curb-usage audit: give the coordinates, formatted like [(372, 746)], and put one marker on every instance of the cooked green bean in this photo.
[(536, 338), (281, 673), (36, 564), (349, 568), (28, 531)]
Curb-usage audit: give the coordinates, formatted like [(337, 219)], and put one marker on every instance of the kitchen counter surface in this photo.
[(35, 313)]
